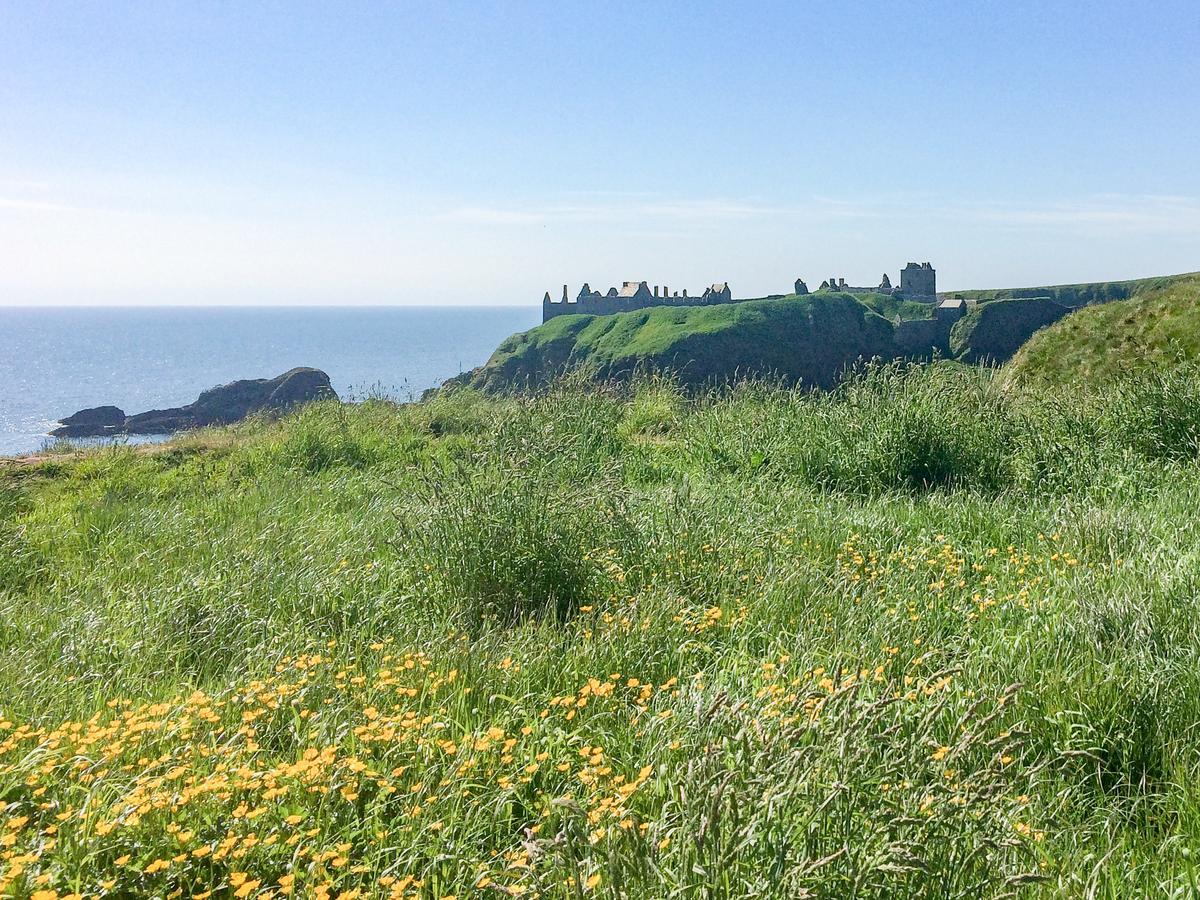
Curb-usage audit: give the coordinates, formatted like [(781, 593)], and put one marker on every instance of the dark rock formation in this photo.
[(96, 421), (216, 406)]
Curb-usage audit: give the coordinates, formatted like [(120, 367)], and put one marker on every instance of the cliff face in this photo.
[(809, 339), (993, 332)]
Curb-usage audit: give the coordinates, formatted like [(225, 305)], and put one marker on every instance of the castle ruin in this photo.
[(631, 295), (918, 281)]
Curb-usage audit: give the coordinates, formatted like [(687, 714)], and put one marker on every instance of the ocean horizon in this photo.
[(56, 360)]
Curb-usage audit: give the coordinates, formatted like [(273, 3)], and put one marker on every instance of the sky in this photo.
[(483, 153)]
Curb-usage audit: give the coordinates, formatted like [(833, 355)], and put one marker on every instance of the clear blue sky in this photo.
[(440, 152)]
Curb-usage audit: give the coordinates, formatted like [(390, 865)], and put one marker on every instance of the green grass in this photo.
[(895, 308), (929, 634), (811, 338), (1079, 294), (1093, 345), (992, 332)]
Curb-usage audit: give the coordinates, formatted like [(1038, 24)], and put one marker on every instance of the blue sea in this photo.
[(54, 361)]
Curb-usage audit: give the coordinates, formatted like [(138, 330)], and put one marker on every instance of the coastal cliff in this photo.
[(809, 339)]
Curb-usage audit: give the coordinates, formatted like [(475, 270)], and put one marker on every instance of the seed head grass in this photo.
[(928, 634)]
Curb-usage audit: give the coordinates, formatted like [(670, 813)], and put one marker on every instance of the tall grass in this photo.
[(921, 635), (499, 548)]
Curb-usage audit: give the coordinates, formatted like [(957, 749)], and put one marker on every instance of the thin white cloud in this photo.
[(483, 215), (1112, 213), (614, 208), (17, 203), (1109, 212)]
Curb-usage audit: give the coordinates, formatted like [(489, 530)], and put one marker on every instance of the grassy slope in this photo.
[(918, 637), (1093, 344), (811, 338), (993, 332), (894, 308), (1077, 294)]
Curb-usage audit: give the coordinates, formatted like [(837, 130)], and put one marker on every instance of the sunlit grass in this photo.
[(919, 637)]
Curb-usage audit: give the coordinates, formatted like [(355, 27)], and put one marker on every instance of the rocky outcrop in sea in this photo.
[(221, 405)]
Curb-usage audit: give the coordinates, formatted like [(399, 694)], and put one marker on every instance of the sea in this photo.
[(54, 361)]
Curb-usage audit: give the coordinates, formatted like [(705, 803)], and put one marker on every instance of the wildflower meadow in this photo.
[(931, 634)]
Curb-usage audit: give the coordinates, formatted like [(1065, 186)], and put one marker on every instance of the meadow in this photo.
[(935, 633)]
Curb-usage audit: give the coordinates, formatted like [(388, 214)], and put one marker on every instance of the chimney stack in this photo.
[(564, 300)]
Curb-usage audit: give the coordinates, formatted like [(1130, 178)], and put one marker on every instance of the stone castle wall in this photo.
[(918, 281), (595, 304)]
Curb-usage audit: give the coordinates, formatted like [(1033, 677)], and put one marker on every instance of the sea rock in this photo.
[(216, 406), (92, 422)]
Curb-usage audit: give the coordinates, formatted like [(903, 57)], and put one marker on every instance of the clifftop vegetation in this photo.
[(1158, 325), (1079, 294), (916, 636), (811, 339), (930, 632)]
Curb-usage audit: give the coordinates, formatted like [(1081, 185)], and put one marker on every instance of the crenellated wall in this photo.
[(593, 303), (918, 281)]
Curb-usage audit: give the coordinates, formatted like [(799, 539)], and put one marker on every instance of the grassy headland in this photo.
[(811, 339), (1079, 294), (992, 332), (1093, 345), (918, 636)]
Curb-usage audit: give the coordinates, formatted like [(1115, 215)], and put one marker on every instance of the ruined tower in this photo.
[(918, 282)]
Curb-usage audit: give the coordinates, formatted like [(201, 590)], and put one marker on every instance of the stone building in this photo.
[(950, 310), (630, 296), (918, 282), (839, 284)]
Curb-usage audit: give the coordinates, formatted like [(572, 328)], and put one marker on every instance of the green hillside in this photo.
[(810, 339), (993, 332), (895, 308), (1092, 345), (1077, 294)]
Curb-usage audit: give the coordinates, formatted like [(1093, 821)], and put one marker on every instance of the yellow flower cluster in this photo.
[(949, 574), (313, 782)]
